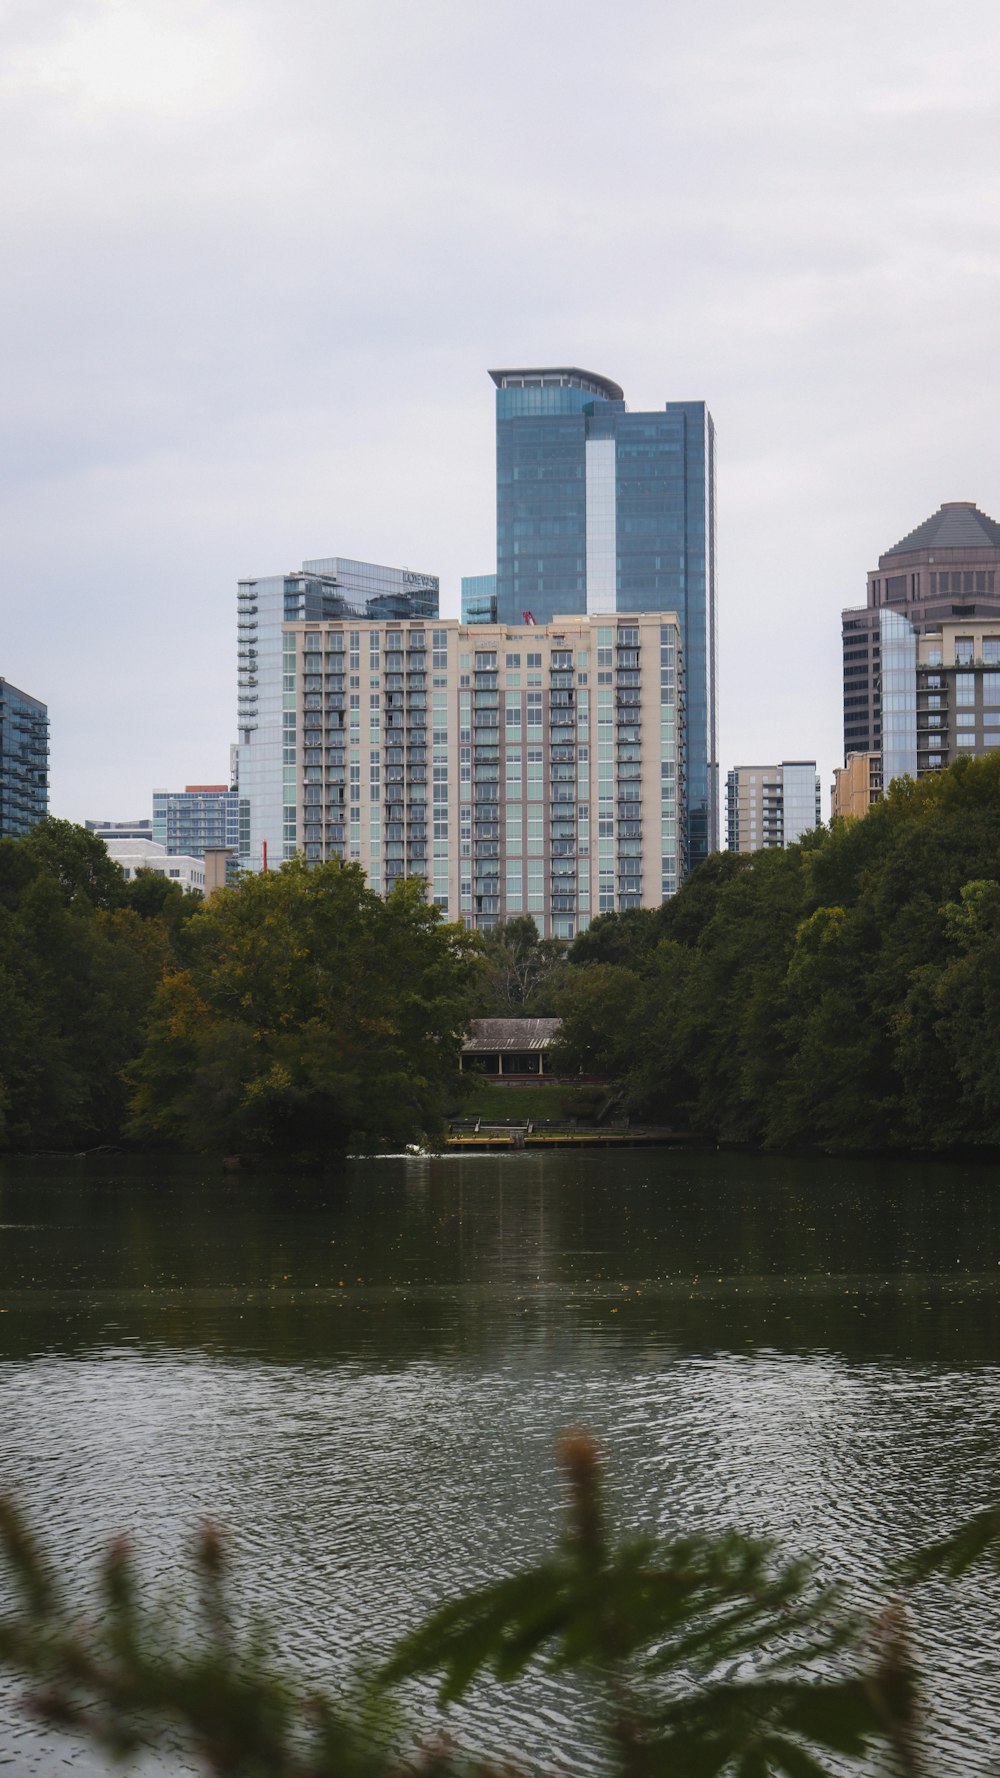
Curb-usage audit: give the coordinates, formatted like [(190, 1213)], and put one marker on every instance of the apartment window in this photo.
[(965, 687), (963, 651)]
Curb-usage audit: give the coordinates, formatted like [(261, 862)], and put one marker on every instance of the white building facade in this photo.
[(535, 769), (134, 856)]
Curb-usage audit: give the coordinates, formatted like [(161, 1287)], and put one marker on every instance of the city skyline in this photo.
[(771, 220)]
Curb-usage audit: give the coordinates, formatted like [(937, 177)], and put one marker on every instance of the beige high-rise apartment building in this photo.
[(534, 769), (768, 806), (856, 786)]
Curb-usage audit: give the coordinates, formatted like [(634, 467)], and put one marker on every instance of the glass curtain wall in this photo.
[(898, 643)]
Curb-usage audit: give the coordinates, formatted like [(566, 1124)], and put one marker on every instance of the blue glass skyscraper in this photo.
[(24, 761), (600, 510)]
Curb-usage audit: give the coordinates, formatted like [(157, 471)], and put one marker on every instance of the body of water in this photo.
[(362, 1381)]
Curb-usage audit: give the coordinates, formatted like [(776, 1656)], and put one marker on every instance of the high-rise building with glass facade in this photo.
[(329, 588), (24, 761), (771, 806), (946, 571), (921, 658), (479, 598), (200, 815), (601, 511)]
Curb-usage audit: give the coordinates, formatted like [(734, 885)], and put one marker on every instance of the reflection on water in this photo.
[(363, 1380)]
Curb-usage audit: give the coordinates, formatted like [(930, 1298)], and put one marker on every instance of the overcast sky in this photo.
[(259, 255)]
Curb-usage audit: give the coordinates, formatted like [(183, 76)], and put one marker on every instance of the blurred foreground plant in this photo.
[(712, 1656)]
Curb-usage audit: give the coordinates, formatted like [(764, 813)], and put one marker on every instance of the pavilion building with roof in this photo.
[(514, 1050)]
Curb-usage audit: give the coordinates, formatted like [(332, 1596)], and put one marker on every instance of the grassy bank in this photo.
[(548, 1101)]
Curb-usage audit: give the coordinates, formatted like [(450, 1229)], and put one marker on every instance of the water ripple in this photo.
[(377, 1432)]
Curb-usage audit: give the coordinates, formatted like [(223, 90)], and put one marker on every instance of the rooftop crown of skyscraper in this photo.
[(559, 377), (957, 524)]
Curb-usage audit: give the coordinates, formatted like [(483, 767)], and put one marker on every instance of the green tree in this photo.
[(155, 897), (521, 971), (78, 970), (843, 993), (312, 1017), (75, 859), (626, 939), (596, 1003)]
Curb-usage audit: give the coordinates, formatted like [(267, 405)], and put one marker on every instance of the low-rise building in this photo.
[(221, 869), (769, 806), (509, 1049), (134, 856)]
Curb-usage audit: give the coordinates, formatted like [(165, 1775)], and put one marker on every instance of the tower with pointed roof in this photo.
[(945, 572)]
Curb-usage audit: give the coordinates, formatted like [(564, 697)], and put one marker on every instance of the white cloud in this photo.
[(114, 57)]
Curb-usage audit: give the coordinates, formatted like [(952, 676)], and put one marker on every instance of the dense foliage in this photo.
[(312, 1016), (81, 953), (712, 1656), (520, 974), (297, 1012), (844, 993)]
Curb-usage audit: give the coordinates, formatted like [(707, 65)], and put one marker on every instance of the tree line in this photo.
[(843, 994), (297, 1012)]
